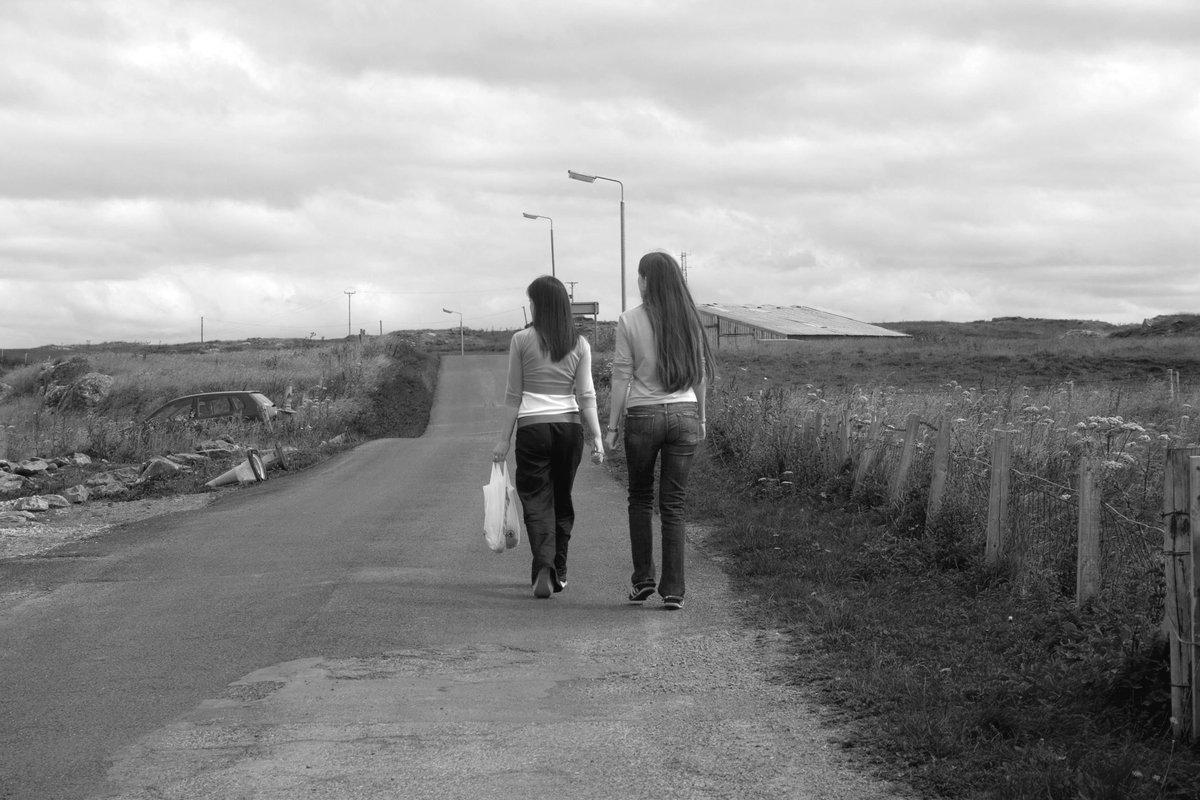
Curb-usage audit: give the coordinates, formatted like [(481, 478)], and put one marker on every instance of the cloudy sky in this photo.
[(249, 162)]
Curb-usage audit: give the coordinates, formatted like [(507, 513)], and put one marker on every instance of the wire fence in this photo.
[(794, 444)]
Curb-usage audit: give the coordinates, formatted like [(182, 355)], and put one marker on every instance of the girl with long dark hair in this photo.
[(659, 376), (549, 390)]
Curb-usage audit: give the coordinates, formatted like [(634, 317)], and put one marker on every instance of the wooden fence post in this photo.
[(900, 479), (1194, 593), (844, 439), (941, 470), (868, 452), (1177, 610), (997, 526), (1087, 561)]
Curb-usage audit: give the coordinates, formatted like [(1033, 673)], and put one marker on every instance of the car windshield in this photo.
[(180, 409)]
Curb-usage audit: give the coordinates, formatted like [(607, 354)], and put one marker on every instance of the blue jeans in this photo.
[(670, 431), (548, 455)]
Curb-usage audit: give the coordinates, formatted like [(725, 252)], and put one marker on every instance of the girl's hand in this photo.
[(597, 450), (703, 431), (500, 451), (611, 440)]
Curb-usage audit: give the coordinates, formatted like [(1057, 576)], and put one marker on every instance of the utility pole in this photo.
[(202, 330), (348, 294), (572, 285), (683, 265)]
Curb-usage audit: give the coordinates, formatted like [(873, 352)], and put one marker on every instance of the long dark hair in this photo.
[(684, 356), (552, 317)]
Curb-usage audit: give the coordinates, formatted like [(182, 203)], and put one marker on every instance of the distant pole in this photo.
[(202, 330), (572, 284), (461, 346), (348, 294)]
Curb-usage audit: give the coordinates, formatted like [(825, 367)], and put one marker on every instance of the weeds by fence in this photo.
[(1047, 489)]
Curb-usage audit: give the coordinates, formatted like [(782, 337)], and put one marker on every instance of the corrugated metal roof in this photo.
[(795, 321)]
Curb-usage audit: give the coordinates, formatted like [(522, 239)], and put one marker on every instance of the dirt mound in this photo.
[(1167, 325)]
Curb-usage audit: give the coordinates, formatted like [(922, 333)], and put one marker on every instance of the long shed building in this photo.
[(750, 326)]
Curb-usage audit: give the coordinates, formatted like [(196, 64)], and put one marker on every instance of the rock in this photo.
[(108, 484), (188, 459), (88, 391), (127, 475), (76, 460), (218, 448), (11, 483), (65, 372), (157, 468), (77, 493), (13, 519), (34, 503), (55, 393), (84, 393), (110, 488), (31, 467), (56, 501)]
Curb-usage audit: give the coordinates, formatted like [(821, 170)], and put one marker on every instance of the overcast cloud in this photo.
[(248, 162)]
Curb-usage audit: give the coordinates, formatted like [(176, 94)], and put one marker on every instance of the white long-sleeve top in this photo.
[(548, 391)]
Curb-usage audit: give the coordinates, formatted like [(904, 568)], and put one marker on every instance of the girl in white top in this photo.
[(549, 390), (660, 372)]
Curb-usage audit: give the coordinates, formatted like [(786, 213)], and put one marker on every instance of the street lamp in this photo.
[(579, 176), (461, 350), (527, 215), (348, 294)]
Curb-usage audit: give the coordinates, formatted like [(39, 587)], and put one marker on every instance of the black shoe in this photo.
[(673, 602), (640, 594), (559, 586), (542, 586)]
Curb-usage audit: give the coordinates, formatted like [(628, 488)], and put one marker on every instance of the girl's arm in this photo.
[(512, 402), (585, 394), (622, 371)]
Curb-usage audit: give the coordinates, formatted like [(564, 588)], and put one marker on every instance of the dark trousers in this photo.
[(669, 433), (548, 455)]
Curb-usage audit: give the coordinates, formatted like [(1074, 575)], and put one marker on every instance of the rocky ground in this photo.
[(75, 498), (51, 529)]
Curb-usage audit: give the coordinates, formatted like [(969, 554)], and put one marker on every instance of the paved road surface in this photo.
[(345, 633)]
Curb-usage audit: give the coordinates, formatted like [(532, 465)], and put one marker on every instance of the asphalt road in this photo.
[(346, 633)]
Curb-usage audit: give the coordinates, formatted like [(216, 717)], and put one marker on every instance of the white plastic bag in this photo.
[(502, 515), (514, 515)]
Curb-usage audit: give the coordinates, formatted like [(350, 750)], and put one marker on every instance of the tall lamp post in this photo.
[(579, 176), (348, 294), (527, 215), (461, 350)]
